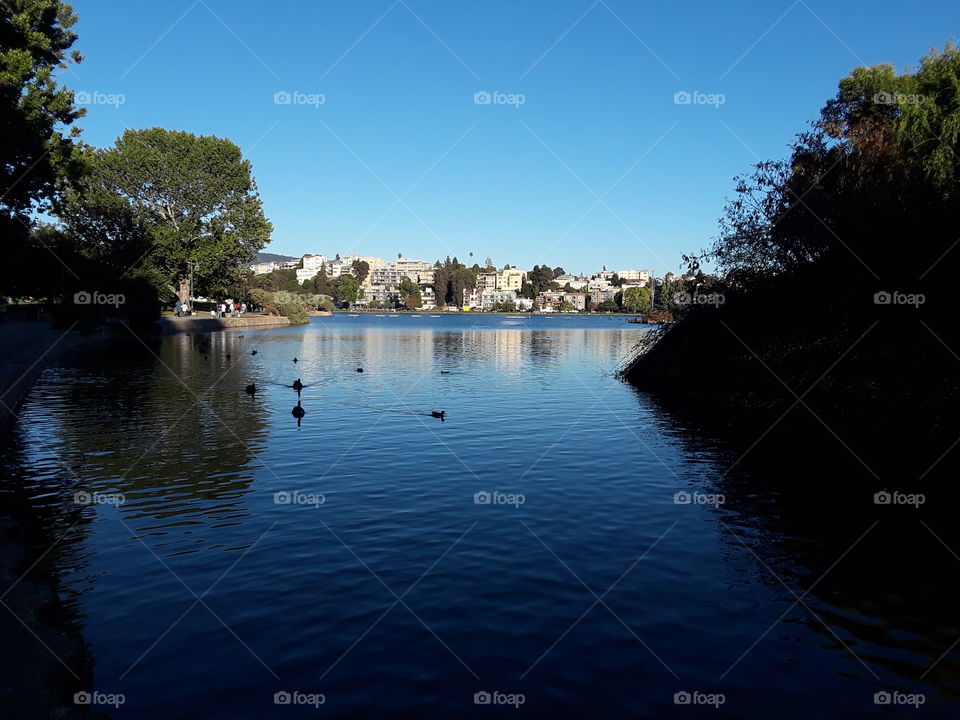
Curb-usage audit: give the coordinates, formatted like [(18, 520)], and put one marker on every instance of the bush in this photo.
[(286, 304)]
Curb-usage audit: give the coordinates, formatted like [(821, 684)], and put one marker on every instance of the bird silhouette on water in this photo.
[(359, 370), (253, 352), (297, 385), (444, 372), (298, 412), (441, 415), (250, 389), (294, 359)]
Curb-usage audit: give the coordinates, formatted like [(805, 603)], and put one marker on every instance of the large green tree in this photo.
[(35, 155), (450, 279), (361, 269), (410, 293), (346, 290), (192, 197), (637, 299)]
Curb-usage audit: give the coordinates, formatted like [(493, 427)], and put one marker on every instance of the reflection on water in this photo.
[(347, 553)]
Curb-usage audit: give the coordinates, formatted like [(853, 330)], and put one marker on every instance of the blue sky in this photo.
[(598, 165)]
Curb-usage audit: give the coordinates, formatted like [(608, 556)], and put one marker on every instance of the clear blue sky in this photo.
[(518, 184)]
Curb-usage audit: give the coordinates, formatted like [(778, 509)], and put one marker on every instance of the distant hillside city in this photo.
[(411, 283)]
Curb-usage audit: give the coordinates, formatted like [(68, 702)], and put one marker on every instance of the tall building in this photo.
[(511, 279)]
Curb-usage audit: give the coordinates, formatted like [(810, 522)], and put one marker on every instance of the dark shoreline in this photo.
[(46, 659)]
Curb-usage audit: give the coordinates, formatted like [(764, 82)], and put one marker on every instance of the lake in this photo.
[(527, 555)]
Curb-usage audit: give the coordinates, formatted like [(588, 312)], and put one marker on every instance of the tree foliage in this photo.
[(637, 299), (289, 305), (192, 200), (450, 279), (346, 290), (880, 164), (36, 159), (361, 269), (410, 294), (35, 38)]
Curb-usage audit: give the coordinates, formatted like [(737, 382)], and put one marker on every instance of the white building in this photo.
[(264, 268), (472, 298), (490, 298), (313, 262), (634, 275), (311, 266)]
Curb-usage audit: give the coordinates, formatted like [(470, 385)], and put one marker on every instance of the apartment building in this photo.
[(511, 279)]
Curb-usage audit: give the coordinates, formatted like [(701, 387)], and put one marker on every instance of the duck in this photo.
[(442, 414), (444, 372), (360, 370), (250, 389), (294, 359), (253, 352), (297, 385), (298, 412)]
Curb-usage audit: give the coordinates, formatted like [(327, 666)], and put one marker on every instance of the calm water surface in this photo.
[(599, 596)]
